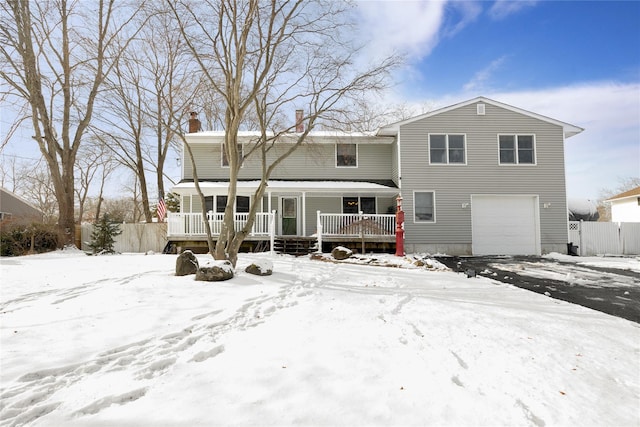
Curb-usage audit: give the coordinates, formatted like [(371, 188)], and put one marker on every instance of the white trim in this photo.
[(399, 162), (446, 140), (424, 221), (393, 128), (315, 187)]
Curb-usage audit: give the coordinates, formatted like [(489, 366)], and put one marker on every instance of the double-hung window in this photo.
[(447, 149), (517, 149), (424, 206), (347, 155), (225, 158), (242, 204), (354, 205)]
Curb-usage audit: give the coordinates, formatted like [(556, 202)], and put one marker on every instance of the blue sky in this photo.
[(575, 61)]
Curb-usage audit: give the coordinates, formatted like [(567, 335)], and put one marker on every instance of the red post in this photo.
[(399, 227)]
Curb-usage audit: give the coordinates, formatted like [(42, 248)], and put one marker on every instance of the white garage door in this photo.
[(505, 225)]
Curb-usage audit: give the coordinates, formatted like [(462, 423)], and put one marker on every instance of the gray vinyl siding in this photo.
[(453, 185), (307, 162)]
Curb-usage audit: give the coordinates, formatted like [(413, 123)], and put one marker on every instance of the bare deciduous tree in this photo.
[(148, 94), (265, 59), (94, 162), (56, 55)]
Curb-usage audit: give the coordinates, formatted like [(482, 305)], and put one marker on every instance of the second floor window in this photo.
[(447, 149), (517, 149), (225, 159), (347, 155)]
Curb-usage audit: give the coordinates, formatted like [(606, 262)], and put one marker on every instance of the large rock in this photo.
[(186, 264), (340, 253), (215, 271), (260, 268)]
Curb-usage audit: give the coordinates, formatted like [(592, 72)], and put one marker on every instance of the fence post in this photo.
[(319, 232), (582, 251)]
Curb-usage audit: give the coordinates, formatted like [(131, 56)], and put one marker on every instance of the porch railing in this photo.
[(358, 225), (355, 225), (191, 224)]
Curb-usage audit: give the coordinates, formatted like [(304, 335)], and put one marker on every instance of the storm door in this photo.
[(289, 216)]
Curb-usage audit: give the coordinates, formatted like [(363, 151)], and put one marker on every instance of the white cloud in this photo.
[(503, 8), (410, 27), (468, 11), (480, 79)]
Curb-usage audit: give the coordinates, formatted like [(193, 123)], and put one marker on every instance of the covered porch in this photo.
[(326, 211)]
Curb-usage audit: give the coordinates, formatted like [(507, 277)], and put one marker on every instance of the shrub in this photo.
[(16, 238)]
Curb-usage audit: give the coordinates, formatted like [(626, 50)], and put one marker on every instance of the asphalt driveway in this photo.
[(609, 290)]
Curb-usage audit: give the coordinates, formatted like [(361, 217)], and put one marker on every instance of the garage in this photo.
[(505, 225)]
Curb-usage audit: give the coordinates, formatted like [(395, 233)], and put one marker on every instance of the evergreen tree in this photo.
[(103, 235)]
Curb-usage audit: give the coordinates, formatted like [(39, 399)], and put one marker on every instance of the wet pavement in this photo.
[(609, 290)]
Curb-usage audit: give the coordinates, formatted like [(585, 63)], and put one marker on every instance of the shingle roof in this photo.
[(631, 193)]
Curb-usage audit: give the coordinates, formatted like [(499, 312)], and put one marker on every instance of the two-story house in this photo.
[(479, 177)]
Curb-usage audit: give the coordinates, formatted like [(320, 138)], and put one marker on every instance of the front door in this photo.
[(289, 216)]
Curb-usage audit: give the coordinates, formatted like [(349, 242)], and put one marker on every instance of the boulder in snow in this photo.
[(340, 253), (260, 268), (186, 264), (216, 271)]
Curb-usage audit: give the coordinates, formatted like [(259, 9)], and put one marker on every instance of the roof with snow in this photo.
[(393, 128), (217, 136), (297, 186)]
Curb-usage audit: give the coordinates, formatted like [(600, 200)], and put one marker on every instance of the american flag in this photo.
[(162, 208)]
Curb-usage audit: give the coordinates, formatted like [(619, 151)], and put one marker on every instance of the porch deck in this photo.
[(348, 229)]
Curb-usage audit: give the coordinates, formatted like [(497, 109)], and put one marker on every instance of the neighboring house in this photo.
[(625, 207), (479, 177), (15, 207)]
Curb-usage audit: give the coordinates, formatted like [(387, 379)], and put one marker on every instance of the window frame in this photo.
[(516, 149), (448, 149), (336, 155), (223, 155), (433, 201)]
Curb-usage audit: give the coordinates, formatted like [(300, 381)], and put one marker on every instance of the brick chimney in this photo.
[(299, 122), (194, 123)]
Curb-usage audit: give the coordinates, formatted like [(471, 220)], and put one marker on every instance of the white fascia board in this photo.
[(393, 128), (291, 186)]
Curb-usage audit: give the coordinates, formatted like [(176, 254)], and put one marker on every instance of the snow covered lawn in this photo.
[(120, 341)]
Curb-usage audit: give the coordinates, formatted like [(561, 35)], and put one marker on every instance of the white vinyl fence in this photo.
[(605, 238), (134, 238)]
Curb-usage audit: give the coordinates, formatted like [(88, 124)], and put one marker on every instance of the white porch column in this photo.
[(304, 213), (319, 233), (272, 230)]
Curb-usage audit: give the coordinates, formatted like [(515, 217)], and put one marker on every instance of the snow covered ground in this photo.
[(120, 341)]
